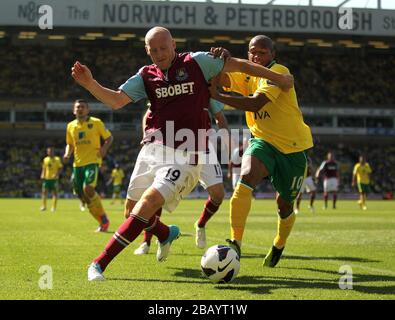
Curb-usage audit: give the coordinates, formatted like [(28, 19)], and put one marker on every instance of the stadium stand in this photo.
[(345, 88), (336, 77)]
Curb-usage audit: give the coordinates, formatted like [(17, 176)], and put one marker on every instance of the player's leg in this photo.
[(166, 183), (89, 174), (334, 199), (211, 179), (326, 196), (140, 217), (312, 198), (287, 180), (147, 238), (298, 200), (44, 195), (54, 196), (253, 170), (366, 190)]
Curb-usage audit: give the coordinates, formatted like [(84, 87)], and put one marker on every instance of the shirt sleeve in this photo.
[(215, 106), (209, 65), (268, 88), (355, 169), (69, 138), (134, 88), (103, 131)]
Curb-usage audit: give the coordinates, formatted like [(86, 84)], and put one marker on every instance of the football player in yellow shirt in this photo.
[(83, 140), (278, 149), (361, 175), (51, 168), (117, 176)]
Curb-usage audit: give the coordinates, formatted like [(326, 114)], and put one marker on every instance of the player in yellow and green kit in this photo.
[(361, 175), (83, 139), (51, 168), (117, 176), (277, 149)]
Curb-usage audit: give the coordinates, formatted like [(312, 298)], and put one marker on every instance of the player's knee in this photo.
[(217, 194), (285, 208), (149, 203), (129, 205), (89, 191)]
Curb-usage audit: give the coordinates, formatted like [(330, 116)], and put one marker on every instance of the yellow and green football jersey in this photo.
[(117, 175), (280, 121), (51, 166), (85, 138), (362, 172)]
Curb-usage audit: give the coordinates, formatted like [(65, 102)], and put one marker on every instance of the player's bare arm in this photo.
[(42, 173), (106, 145), (253, 103), (83, 76), (68, 152), (284, 81)]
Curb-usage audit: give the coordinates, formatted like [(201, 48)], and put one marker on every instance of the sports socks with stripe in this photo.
[(127, 233)]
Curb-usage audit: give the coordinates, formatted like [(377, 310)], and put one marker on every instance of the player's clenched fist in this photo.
[(81, 74)]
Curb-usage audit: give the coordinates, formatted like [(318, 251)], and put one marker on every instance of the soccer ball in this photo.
[(220, 264)]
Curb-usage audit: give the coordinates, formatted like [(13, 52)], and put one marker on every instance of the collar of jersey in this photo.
[(87, 120), (273, 62)]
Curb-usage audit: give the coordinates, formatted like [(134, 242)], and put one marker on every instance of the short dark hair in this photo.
[(81, 101), (264, 42)]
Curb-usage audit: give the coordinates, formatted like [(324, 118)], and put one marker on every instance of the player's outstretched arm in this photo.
[(251, 103), (83, 76), (284, 81)]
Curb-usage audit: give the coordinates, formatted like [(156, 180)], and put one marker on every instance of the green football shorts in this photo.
[(286, 171), (50, 185), (85, 175), (363, 187), (116, 188)]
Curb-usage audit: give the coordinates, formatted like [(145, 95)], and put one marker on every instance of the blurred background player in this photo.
[(307, 186), (117, 176), (330, 170), (210, 179), (361, 175), (51, 168), (278, 148), (83, 140)]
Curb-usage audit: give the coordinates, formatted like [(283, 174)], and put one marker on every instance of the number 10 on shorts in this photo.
[(297, 183)]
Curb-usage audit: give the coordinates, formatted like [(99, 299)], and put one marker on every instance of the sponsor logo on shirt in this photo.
[(175, 90)]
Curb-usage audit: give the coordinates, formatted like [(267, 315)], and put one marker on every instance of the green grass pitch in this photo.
[(319, 247)]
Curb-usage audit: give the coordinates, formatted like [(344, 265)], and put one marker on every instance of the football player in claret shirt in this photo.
[(330, 170), (83, 139), (176, 84), (361, 178), (278, 149), (51, 168), (210, 179)]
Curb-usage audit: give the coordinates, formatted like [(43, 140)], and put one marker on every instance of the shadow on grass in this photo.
[(352, 259), (359, 278), (266, 284)]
